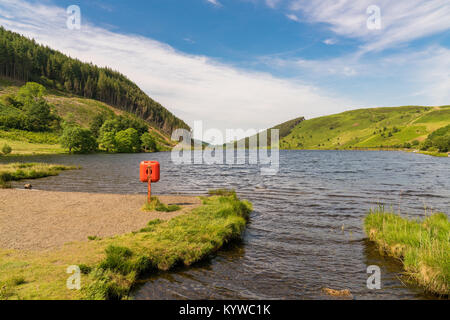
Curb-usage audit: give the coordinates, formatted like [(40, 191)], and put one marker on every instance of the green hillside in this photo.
[(284, 128), (397, 127), (24, 60), (66, 107)]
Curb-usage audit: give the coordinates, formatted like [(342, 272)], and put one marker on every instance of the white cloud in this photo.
[(330, 41), (431, 74), (416, 77), (189, 40), (272, 3), (215, 2), (193, 87), (402, 21), (293, 17)]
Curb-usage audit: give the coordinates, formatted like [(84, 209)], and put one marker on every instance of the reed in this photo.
[(423, 246)]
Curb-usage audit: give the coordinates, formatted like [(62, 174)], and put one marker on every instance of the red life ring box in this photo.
[(144, 172)]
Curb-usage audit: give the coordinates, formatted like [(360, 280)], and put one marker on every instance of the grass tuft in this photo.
[(156, 205), (222, 192), (17, 281), (422, 246)]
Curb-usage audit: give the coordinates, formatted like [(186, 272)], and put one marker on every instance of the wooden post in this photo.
[(149, 195)]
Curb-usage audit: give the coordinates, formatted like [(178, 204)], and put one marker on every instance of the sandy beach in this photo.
[(41, 220)]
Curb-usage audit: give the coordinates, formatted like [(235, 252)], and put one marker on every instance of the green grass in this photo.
[(65, 105), (25, 148), (422, 246), (50, 138), (112, 266), (156, 205), (222, 192), (373, 128), (19, 171), (434, 154)]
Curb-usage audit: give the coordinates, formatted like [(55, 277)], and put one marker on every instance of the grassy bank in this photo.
[(31, 143), (19, 171), (111, 266), (434, 154), (422, 246)]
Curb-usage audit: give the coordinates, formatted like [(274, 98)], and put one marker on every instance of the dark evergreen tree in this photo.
[(23, 59)]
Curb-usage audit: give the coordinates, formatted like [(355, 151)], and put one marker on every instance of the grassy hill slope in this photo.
[(368, 128), (25, 60), (285, 129), (81, 109)]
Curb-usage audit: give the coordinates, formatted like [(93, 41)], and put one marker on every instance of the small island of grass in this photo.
[(20, 171), (422, 246)]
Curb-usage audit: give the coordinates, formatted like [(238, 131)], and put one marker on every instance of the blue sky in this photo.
[(266, 60), (236, 31)]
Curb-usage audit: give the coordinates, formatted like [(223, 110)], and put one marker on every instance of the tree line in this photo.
[(28, 110), (23, 59), (438, 140)]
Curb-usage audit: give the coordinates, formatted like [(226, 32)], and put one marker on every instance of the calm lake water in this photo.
[(306, 228)]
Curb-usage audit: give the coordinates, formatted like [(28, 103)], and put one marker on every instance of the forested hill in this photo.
[(23, 59)]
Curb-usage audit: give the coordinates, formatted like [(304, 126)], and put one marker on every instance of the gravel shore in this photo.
[(41, 220)]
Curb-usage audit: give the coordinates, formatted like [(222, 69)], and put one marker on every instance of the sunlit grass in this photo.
[(422, 246), (111, 266), (19, 171), (376, 128), (156, 205)]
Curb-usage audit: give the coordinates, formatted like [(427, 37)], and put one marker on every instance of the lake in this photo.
[(306, 229)]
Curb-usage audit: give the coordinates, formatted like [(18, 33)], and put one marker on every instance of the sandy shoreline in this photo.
[(40, 220)]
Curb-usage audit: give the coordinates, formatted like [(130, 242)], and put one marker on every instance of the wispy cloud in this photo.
[(193, 87), (272, 3), (215, 2), (189, 40), (415, 77), (402, 21), (292, 17), (330, 41)]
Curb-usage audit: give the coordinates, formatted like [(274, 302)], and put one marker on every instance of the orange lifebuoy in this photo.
[(144, 171)]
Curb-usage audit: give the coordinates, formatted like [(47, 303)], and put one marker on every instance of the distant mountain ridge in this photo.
[(25, 60)]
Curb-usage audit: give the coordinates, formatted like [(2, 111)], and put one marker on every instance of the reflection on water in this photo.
[(306, 228)]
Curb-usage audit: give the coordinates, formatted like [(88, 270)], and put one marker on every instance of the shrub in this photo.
[(6, 149), (78, 139), (128, 141), (148, 143), (85, 269), (439, 139)]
